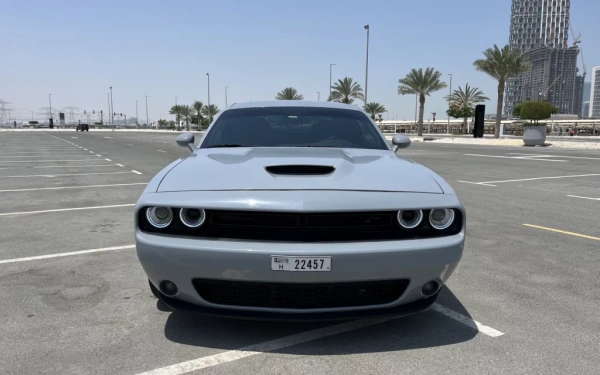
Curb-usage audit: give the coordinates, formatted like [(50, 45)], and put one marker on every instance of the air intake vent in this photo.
[(300, 170)]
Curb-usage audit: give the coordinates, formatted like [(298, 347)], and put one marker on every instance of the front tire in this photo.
[(153, 289)]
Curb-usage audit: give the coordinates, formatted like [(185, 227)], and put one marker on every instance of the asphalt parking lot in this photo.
[(525, 298)]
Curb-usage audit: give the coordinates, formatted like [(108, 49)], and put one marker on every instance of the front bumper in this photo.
[(181, 260)]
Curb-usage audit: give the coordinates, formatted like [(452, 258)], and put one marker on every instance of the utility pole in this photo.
[(112, 118), (448, 128), (109, 109), (136, 115), (147, 123), (50, 101), (209, 109), (367, 66), (330, 65)]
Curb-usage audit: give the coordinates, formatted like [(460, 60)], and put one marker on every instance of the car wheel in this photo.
[(154, 290)]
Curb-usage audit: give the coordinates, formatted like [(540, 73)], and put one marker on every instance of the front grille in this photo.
[(303, 227), (299, 296)]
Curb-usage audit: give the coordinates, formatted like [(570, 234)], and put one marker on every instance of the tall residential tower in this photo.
[(595, 94)]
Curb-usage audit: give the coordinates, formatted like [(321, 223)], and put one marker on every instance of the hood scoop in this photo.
[(300, 170)]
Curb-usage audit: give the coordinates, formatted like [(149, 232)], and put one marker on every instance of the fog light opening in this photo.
[(431, 288), (168, 287)]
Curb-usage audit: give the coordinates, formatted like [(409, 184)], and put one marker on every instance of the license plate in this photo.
[(300, 264)]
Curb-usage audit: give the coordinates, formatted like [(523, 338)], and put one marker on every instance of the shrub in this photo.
[(33, 122), (534, 111)]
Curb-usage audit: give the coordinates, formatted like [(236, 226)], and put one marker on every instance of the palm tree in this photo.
[(197, 106), (422, 84), (466, 98), (289, 93), (186, 112), (176, 110), (345, 91), (502, 64), (210, 111), (374, 109)]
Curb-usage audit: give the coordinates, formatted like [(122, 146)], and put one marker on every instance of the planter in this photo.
[(534, 135)]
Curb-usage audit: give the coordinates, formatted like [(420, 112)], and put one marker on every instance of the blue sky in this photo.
[(77, 49)]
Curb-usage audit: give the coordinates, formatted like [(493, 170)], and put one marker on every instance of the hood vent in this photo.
[(300, 170)]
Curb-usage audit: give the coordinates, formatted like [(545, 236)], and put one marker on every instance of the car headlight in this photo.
[(410, 219), (192, 217), (159, 217), (441, 218)]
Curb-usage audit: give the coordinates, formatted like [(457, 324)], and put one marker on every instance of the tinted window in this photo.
[(294, 127)]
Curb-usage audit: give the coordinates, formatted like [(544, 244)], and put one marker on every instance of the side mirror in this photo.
[(186, 140), (400, 141)]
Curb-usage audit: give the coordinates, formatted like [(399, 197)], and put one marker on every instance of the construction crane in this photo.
[(576, 41)]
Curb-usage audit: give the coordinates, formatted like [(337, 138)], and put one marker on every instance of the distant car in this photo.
[(294, 210), (82, 127)]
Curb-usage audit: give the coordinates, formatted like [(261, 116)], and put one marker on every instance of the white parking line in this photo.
[(70, 166), (556, 156), (300, 338), (577, 196), (60, 255), (64, 174), (515, 157), (120, 165), (66, 209), (491, 183), (46, 161), (107, 159), (71, 187), (98, 155), (42, 156), (161, 151), (136, 172), (91, 152)]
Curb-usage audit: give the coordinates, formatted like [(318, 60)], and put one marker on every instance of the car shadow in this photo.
[(424, 330)]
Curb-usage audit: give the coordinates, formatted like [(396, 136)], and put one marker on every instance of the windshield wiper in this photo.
[(226, 145)]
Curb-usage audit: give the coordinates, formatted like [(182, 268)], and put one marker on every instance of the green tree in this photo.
[(176, 110), (462, 103), (186, 113), (198, 109), (501, 64), (162, 122), (374, 109), (210, 111), (289, 93), (345, 91), (421, 83), (536, 111)]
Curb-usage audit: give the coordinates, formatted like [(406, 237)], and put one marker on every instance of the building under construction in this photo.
[(540, 30)]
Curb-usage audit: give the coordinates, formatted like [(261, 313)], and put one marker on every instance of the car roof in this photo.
[(294, 103)]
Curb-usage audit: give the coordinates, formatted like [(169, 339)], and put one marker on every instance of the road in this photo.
[(524, 300)]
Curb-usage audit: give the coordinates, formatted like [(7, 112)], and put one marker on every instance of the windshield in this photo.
[(294, 127)]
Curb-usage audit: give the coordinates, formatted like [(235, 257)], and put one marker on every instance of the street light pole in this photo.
[(318, 96), (367, 65), (448, 129), (136, 114), (112, 119), (330, 65), (226, 95), (109, 109), (147, 123), (177, 114), (209, 109), (50, 100)]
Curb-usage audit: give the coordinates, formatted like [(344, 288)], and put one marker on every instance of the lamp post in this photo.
[(318, 96), (226, 95), (136, 114), (367, 65), (330, 65), (147, 123), (448, 128), (112, 110), (209, 109), (50, 123), (176, 114)]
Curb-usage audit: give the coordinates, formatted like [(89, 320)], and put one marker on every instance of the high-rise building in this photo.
[(595, 94), (540, 29)]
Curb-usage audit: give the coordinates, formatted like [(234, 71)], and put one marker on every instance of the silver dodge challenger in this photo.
[(296, 210)]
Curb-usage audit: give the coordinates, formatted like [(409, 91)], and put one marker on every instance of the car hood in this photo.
[(298, 169)]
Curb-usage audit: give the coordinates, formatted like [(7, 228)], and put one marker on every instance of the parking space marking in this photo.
[(300, 338), (556, 156), (107, 159), (120, 165), (161, 151), (491, 183), (136, 172), (42, 156), (563, 232), (466, 321), (66, 209), (71, 187), (577, 196), (60, 255), (65, 174), (71, 166), (98, 155), (516, 158), (47, 161)]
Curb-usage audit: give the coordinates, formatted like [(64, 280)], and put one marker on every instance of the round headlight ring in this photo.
[(446, 222), (159, 217), (183, 216), (414, 223)]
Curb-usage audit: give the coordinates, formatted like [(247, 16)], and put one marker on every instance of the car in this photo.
[(296, 211), (82, 127)]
